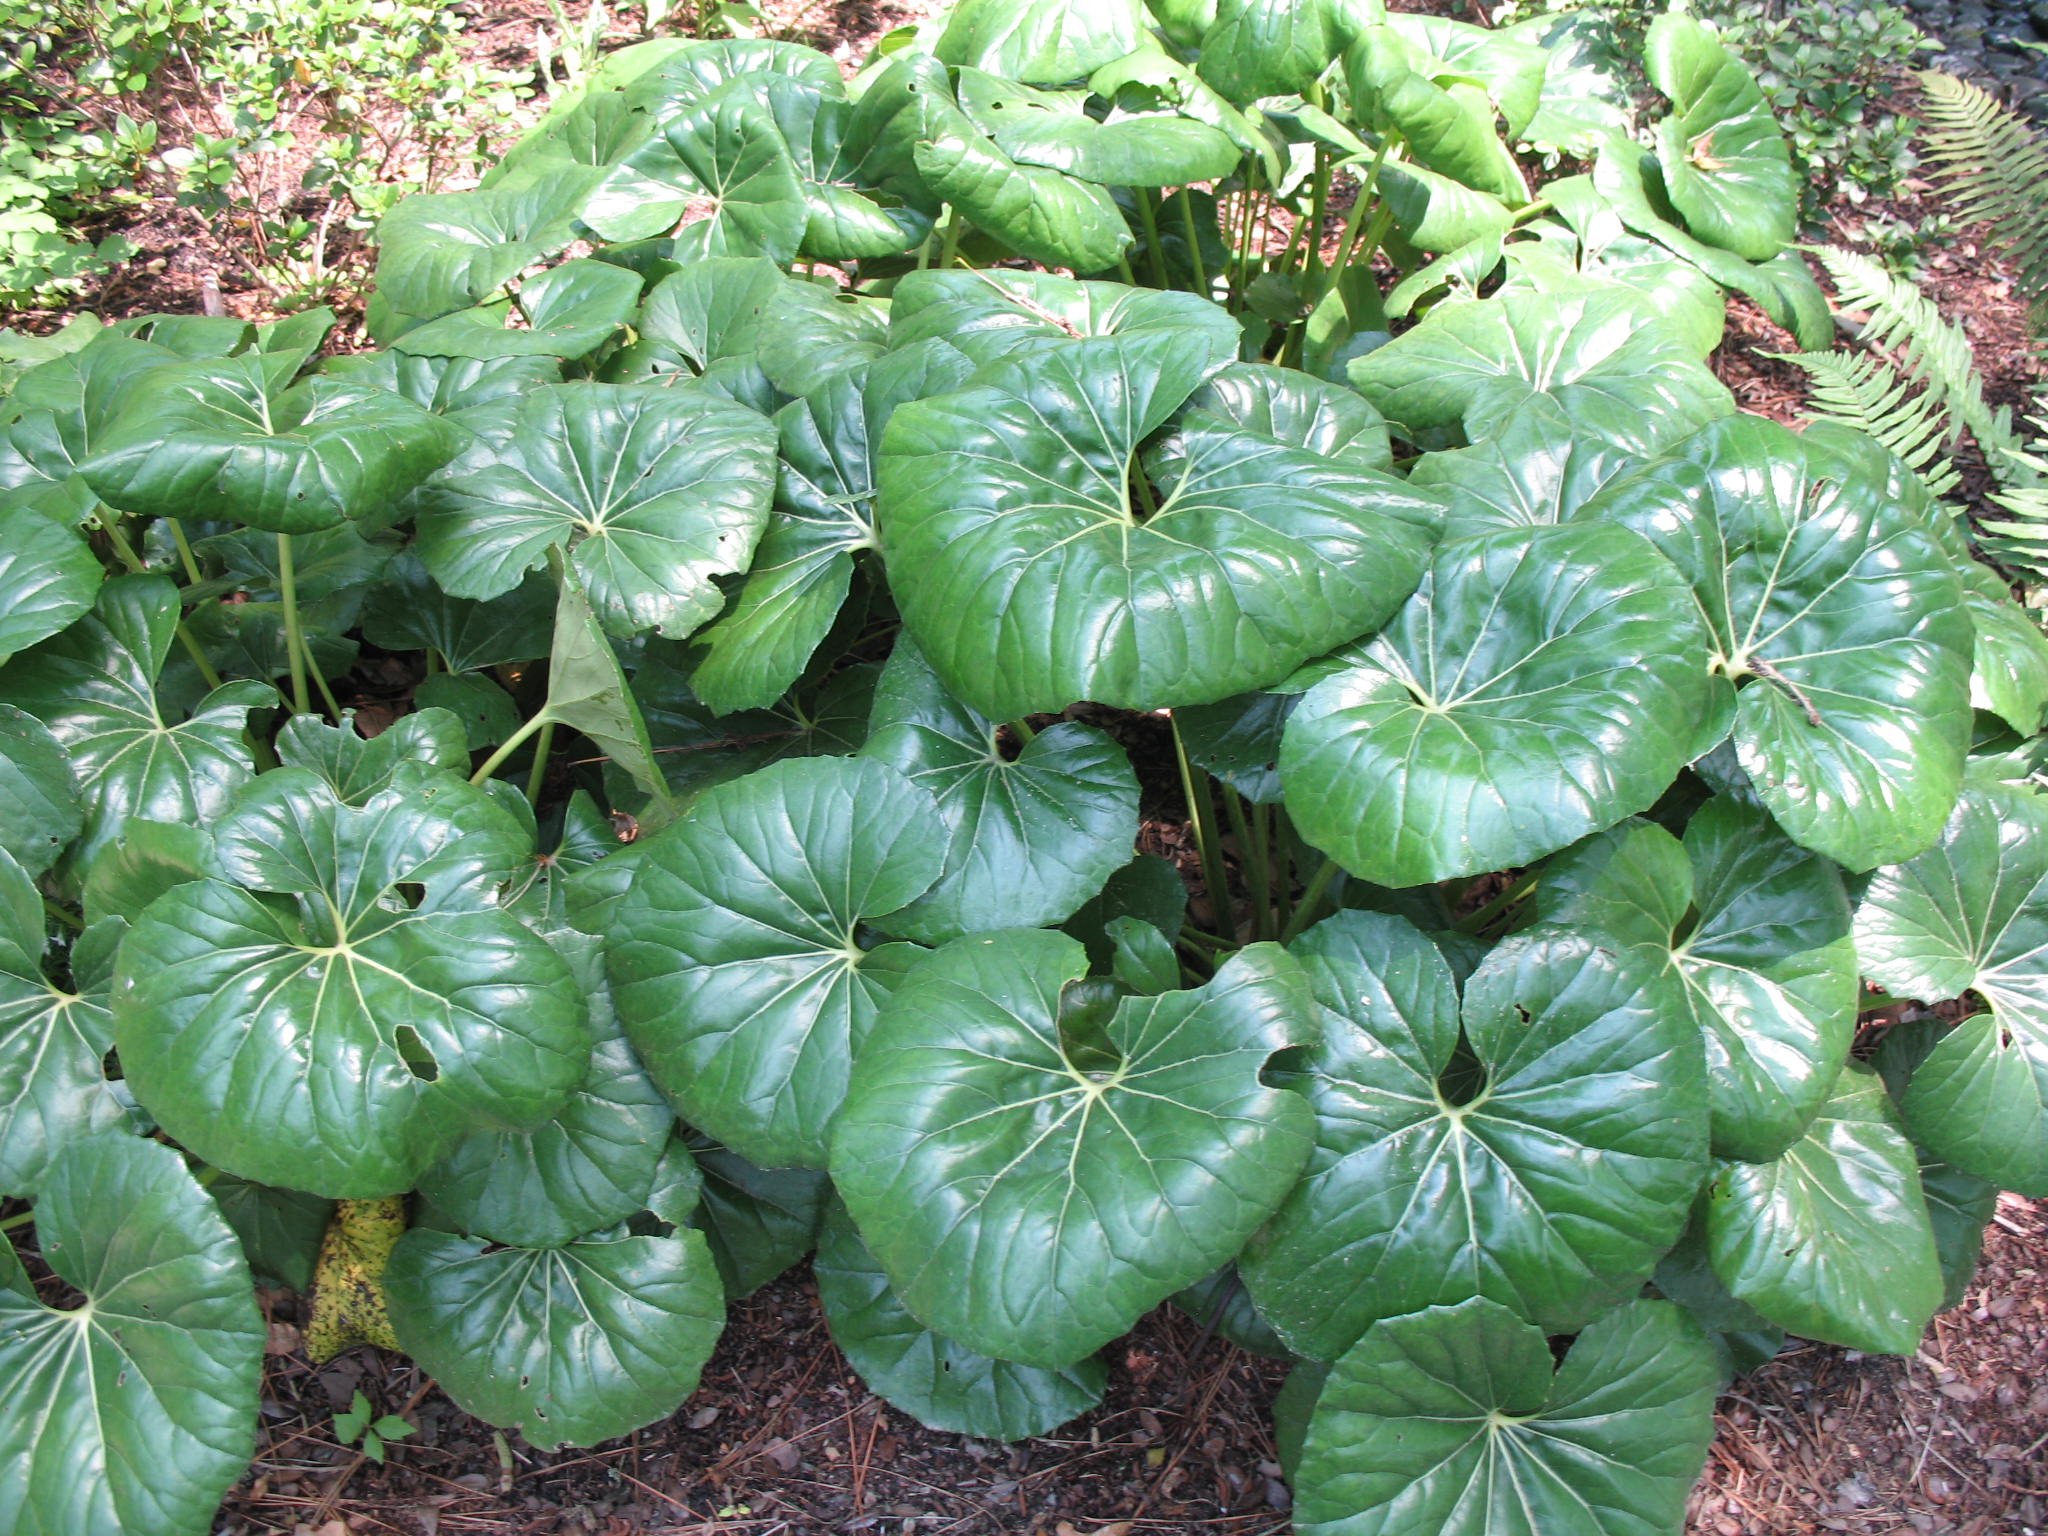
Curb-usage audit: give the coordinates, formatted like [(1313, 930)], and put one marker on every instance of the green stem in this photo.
[(1123, 266), (1305, 909), (1270, 876), (320, 682), (1243, 253), (185, 556), (1190, 934), (510, 745), (18, 1219), (125, 552), (950, 242), (1150, 220), (1318, 211), (294, 642), (1248, 861), (1368, 193), (1506, 897), (62, 916), (1202, 817), (1187, 215), (537, 775)]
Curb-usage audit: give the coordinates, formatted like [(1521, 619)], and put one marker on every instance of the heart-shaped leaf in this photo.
[(1755, 932), (1032, 1206), (1617, 371), (1970, 915), (1724, 160), (988, 315), (1030, 838), (94, 687), (1027, 508), (1831, 1241), (1541, 684), (220, 439), (929, 1377), (737, 956), (652, 492), (1450, 1420), (1553, 1188), (1831, 602), (1538, 468), (568, 1345), (1042, 214), (135, 1411), (334, 1029)]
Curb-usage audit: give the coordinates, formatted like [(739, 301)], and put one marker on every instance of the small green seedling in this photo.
[(357, 1423)]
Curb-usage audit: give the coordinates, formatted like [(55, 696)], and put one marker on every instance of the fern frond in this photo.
[(1995, 166), (1872, 396)]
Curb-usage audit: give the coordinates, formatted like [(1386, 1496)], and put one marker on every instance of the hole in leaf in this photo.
[(419, 1061), (1688, 925), (525, 1382), (1464, 1076), (411, 893), (110, 1065)]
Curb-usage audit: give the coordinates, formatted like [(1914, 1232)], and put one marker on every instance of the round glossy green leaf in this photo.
[(1755, 932), (218, 439), (1238, 740), (570, 1345), (1970, 915), (1832, 1241), (567, 311), (135, 1412), (937, 1382), (2009, 670), (1538, 468), (1032, 575), (588, 1168), (1254, 48), (441, 252), (1615, 369), (1042, 214), (1444, 116), (48, 575), (356, 767), (1299, 411), (718, 174), (1050, 129), (54, 1087), (652, 492), (1031, 1206), (94, 687), (1450, 1421), (1725, 163), (988, 315), (1542, 683), (332, 1030), (1029, 839), (1046, 42), (737, 957), (1552, 1189), (39, 809), (1831, 602)]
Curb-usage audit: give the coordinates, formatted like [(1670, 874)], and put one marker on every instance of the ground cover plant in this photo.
[(756, 493)]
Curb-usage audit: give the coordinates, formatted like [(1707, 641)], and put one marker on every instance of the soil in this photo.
[(783, 1438)]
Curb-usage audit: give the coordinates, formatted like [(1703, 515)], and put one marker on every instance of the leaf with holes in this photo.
[(303, 1017), (1031, 1193), (1552, 1188)]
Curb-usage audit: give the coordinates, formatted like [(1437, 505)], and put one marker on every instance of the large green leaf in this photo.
[(1541, 684), (2009, 670), (651, 491), (1830, 602), (1255, 48), (1724, 160), (1444, 116), (570, 1345), (988, 315), (718, 175), (1755, 932), (1032, 575), (1028, 839), (1299, 411), (1449, 1422), (218, 439), (333, 1031), (1970, 915), (1552, 1189), (48, 575), (1051, 129), (588, 1168), (409, 611), (737, 956), (1045, 42), (1537, 468), (759, 1221), (39, 809), (1029, 1194), (1610, 363), (567, 311), (929, 1377), (54, 1087), (1831, 1241), (1042, 214), (94, 687), (447, 251), (136, 1411)]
